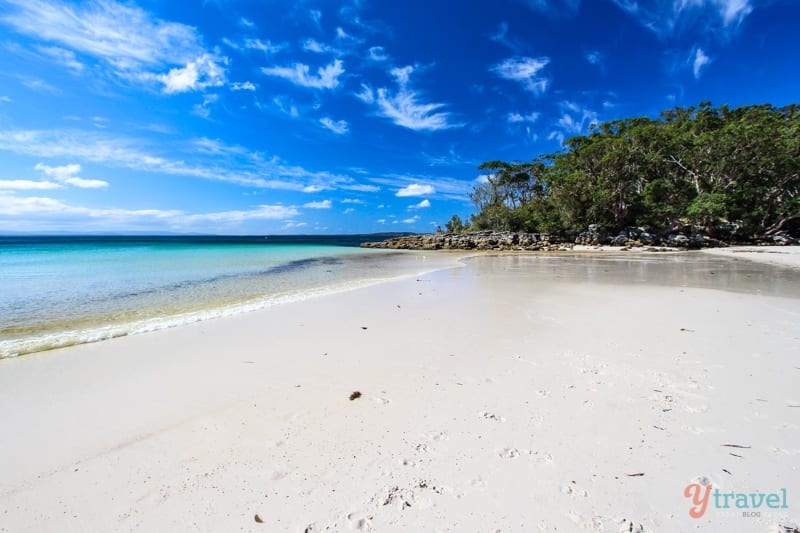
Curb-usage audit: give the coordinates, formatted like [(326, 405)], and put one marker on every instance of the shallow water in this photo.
[(62, 291), (682, 269)]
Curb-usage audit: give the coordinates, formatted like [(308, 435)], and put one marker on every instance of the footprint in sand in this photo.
[(491, 416), (360, 521)]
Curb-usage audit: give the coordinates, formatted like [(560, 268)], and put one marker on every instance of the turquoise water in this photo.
[(62, 291)]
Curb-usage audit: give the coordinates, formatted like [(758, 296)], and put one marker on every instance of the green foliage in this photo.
[(455, 225), (702, 166)]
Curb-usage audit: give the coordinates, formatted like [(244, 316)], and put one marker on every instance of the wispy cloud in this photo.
[(517, 118), (23, 185), (526, 71), (38, 212), (327, 77), (421, 205), (69, 174), (132, 44), (208, 160), (268, 47), (574, 120), (699, 61), (312, 45), (243, 86), (554, 6), (593, 57), (339, 127), (416, 189), (64, 57), (715, 17), (378, 53), (203, 109), (404, 108)]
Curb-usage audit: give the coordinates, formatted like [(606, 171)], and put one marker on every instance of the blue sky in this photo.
[(246, 117)]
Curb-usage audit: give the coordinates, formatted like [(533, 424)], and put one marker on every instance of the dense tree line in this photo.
[(734, 171)]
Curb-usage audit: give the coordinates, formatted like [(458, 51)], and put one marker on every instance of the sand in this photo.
[(514, 393)]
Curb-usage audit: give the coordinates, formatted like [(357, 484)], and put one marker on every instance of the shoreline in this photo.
[(505, 373)]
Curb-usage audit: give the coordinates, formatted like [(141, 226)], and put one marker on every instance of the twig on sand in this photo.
[(736, 446), (355, 395), (637, 474)]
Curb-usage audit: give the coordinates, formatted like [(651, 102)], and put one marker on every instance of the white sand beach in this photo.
[(514, 393)]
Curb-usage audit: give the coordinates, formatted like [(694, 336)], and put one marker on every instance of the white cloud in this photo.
[(516, 118), (422, 205), (699, 62), (324, 204), (69, 174), (243, 86), (291, 225), (21, 185), (415, 189), (524, 70), (338, 127), (381, 221), (247, 23), (348, 211), (353, 201), (134, 45), (410, 220), (314, 188), (326, 78), (403, 107), (5, 99), (196, 75)]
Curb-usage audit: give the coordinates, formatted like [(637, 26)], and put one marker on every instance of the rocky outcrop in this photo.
[(683, 238), (484, 240)]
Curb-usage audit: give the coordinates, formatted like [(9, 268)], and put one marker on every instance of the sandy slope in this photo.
[(518, 393)]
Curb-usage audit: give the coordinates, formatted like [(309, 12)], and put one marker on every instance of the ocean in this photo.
[(67, 290)]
